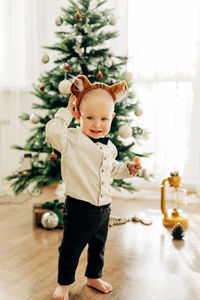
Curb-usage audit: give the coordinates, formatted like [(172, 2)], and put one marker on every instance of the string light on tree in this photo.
[(125, 131)]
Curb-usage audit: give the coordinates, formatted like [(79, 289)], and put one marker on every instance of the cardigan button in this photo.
[(102, 170), (105, 157)]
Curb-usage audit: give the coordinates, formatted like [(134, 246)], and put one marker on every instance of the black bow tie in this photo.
[(101, 140)]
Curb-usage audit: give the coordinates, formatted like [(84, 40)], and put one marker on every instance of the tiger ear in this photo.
[(119, 89), (79, 84)]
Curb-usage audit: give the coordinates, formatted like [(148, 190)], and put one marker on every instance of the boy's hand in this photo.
[(72, 107), (134, 167)]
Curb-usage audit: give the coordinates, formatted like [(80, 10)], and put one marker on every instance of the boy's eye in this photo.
[(104, 119), (89, 118)]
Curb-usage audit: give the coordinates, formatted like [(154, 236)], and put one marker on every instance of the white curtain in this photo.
[(163, 50), (25, 26)]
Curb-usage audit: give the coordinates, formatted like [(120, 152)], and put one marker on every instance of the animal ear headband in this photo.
[(81, 85)]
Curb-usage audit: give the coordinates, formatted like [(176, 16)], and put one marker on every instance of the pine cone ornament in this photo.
[(178, 232)]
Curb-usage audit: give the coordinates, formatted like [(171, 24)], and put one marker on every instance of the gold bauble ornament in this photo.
[(34, 118), (45, 58), (59, 21)]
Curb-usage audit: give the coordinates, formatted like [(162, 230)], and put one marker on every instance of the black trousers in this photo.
[(84, 224)]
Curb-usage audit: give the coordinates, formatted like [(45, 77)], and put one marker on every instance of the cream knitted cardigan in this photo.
[(86, 167)]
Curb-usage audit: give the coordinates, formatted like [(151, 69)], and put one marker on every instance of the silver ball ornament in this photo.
[(49, 220), (125, 131), (34, 119), (64, 86)]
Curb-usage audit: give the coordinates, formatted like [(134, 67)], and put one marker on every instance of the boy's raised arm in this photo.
[(56, 129)]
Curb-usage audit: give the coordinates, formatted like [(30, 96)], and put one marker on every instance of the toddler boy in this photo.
[(87, 165)]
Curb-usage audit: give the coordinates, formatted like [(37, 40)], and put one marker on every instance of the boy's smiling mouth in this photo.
[(96, 131)]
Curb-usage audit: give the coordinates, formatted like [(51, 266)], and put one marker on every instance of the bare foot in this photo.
[(99, 284), (61, 292)]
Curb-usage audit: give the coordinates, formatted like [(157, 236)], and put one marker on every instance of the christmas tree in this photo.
[(81, 49)]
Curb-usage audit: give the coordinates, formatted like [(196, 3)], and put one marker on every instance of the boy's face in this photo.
[(96, 113)]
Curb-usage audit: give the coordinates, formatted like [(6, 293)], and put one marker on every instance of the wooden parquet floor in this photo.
[(141, 262)]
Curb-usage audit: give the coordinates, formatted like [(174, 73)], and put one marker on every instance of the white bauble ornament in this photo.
[(113, 20), (34, 118), (45, 58), (128, 76), (108, 63), (49, 220), (125, 131), (59, 21), (64, 86), (138, 112)]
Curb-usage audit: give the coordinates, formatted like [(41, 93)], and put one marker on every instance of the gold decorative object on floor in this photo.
[(119, 221), (175, 215)]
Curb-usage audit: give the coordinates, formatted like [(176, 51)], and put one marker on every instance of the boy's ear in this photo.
[(113, 115), (119, 89), (78, 116)]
